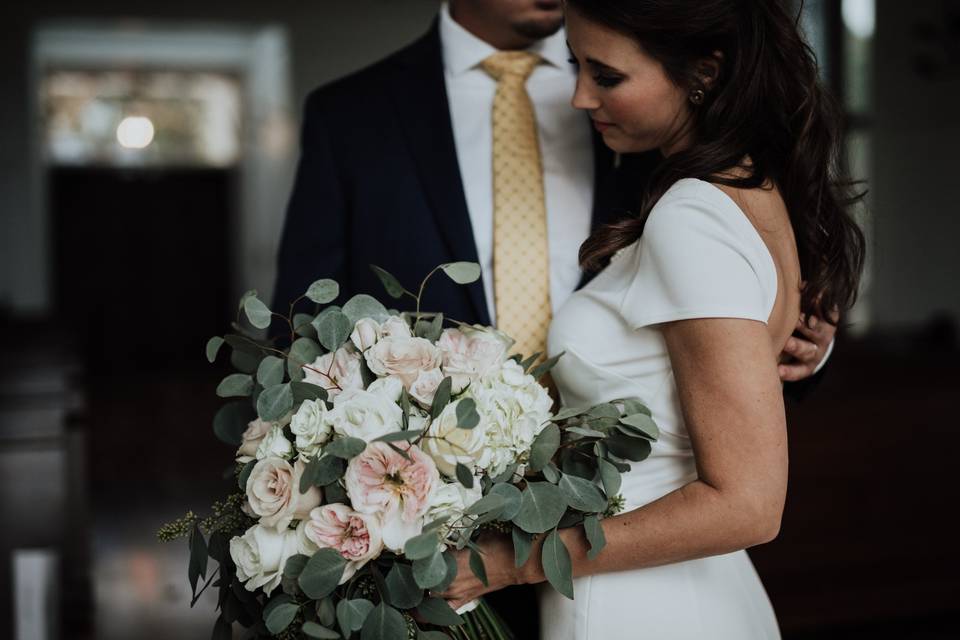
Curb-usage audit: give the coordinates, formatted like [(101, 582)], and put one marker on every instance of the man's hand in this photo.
[(803, 353)]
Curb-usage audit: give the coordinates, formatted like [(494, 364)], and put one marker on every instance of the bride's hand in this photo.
[(498, 560)]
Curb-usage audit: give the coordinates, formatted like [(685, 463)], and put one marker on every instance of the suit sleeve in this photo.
[(314, 240)]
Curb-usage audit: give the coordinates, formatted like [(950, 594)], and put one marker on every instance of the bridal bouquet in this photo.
[(374, 447)]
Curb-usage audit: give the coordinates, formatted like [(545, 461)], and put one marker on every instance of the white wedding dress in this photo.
[(699, 257)]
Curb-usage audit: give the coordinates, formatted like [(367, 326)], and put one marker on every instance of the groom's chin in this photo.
[(540, 27)]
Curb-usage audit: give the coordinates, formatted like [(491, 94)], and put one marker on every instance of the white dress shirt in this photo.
[(566, 149)]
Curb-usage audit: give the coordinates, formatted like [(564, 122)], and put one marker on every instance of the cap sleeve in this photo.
[(700, 257)]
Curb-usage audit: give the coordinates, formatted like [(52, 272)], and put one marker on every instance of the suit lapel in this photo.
[(420, 96)]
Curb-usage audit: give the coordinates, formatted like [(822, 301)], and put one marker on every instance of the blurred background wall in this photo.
[(117, 263)]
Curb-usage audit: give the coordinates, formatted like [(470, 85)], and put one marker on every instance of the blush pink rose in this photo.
[(381, 481), (273, 493), (356, 536), (470, 353), (335, 372), (402, 357)]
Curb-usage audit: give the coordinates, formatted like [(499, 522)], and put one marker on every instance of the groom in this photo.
[(463, 147)]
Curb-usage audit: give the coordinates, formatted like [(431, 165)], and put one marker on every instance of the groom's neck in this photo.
[(493, 28)]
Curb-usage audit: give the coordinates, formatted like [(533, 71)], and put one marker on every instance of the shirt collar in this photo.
[(463, 51)]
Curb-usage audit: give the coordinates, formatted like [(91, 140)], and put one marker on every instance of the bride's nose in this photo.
[(584, 97)]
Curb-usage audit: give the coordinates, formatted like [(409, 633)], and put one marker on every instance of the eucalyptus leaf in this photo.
[(572, 412), (464, 476), (245, 362), (270, 371), (511, 499), (351, 614), (421, 546), (430, 571), (245, 474), (257, 313), (609, 476), (522, 545), (441, 398), (314, 630), (364, 306), (303, 351), (582, 494), (279, 613), (462, 272), (552, 473), (430, 329), (595, 536), (275, 402), (541, 507), (213, 347), (628, 448), (467, 415), (437, 611), (557, 566), (642, 423), (390, 283), (235, 385), (399, 436), (198, 557), (532, 360), (384, 623), (345, 447), (450, 575), (322, 573), (543, 369), (303, 325), (231, 421), (633, 405), (402, 588), (243, 298), (222, 630), (306, 391), (294, 565), (486, 504), (476, 565), (323, 291), (544, 447), (586, 433), (334, 331)]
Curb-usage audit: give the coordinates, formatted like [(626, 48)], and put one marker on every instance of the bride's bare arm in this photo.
[(726, 374)]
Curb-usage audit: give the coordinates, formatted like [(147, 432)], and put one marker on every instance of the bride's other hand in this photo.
[(497, 560), (804, 354)]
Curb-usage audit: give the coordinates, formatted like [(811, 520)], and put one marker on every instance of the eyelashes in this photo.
[(603, 80)]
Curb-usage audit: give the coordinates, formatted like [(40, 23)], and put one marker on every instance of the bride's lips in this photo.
[(602, 126)]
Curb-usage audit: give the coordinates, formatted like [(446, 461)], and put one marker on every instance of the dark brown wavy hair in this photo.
[(767, 104)]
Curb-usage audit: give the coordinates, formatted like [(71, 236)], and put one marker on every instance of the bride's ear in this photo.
[(708, 70)]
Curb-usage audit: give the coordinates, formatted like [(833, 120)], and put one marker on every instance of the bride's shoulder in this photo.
[(690, 205)]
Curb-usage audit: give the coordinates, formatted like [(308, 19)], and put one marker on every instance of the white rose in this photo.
[(309, 427), (336, 372), (448, 444), (471, 352), (274, 444), (449, 502), (424, 388), (395, 327), (273, 493), (404, 358), (251, 439), (261, 554), (365, 333), (361, 414), (389, 388)]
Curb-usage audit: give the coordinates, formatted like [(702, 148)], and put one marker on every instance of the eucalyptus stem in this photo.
[(422, 287)]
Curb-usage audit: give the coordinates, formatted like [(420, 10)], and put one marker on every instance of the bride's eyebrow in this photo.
[(602, 66)]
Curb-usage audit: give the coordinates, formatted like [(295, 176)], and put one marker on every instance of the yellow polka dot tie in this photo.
[(521, 266)]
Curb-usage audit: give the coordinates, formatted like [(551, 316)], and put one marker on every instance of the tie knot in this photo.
[(511, 63)]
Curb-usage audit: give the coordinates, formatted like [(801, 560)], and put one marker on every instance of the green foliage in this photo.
[(351, 614), (213, 347), (462, 272), (582, 494), (384, 623), (345, 448), (323, 291), (543, 369), (544, 447), (235, 385), (557, 565), (270, 371), (364, 306), (464, 476), (441, 398), (275, 402), (437, 611), (334, 330), (595, 536), (541, 507), (512, 499), (279, 613), (314, 630), (476, 565), (390, 283), (303, 351), (404, 593), (231, 421), (430, 571), (467, 415), (522, 545), (322, 573), (257, 313)]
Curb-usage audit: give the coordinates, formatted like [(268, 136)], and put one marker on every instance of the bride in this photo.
[(743, 231)]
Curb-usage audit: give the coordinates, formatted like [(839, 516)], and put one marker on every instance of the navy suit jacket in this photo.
[(379, 183)]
